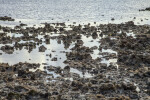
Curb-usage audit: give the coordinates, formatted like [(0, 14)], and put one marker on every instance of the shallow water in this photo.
[(82, 11), (57, 50), (35, 12)]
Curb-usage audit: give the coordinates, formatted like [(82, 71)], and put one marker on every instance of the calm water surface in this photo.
[(37, 11)]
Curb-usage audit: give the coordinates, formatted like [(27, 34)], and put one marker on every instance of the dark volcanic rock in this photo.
[(42, 48), (8, 49), (6, 18), (84, 76), (146, 9)]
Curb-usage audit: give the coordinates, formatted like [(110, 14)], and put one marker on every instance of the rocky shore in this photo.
[(115, 56)]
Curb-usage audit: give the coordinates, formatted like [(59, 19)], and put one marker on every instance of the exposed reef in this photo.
[(75, 62)]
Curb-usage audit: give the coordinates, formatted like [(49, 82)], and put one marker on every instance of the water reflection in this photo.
[(55, 48)]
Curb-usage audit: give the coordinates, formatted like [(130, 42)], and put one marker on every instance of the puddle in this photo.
[(131, 34), (14, 35), (86, 74), (109, 51), (90, 42), (55, 49), (37, 57), (137, 88)]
